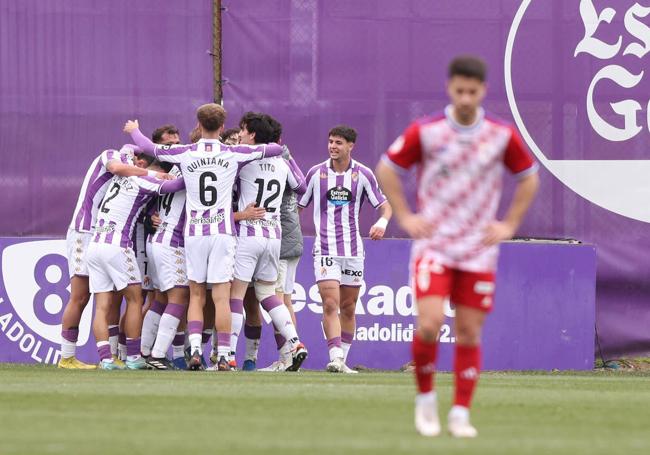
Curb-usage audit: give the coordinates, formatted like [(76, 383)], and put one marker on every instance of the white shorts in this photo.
[(76, 244), (167, 264), (141, 255), (287, 275), (258, 258), (210, 259), (347, 271), (111, 267)]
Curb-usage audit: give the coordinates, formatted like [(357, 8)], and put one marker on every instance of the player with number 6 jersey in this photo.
[(209, 169)]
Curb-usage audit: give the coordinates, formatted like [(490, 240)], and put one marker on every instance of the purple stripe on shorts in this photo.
[(71, 335), (133, 346), (352, 218), (279, 340), (346, 337), (252, 332), (176, 310), (271, 302), (194, 327), (104, 352), (157, 307), (206, 226), (192, 226), (237, 306), (334, 342), (338, 223), (223, 340), (324, 247)]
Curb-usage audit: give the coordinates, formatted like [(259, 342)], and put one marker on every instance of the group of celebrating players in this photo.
[(209, 231)]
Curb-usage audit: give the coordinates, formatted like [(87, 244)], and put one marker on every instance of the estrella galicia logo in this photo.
[(33, 294), (339, 195), (581, 102)]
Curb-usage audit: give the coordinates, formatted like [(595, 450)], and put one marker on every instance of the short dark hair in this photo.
[(468, 66), (258, 123), (229, 133), (211, 116), (164, 165), (277, 129), (157, 135), (147, 158), (346, 132)]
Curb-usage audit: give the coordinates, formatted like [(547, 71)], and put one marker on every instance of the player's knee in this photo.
[(330, 306), (429, 328), (467, 335), (347, 309), (264, 290)]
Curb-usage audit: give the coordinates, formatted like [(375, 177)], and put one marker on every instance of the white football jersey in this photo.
[(121, 206), (210, 169), (263, 183), (94, 187), (171, 210)]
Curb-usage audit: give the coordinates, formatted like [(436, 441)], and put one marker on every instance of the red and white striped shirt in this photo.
[(460, 173)]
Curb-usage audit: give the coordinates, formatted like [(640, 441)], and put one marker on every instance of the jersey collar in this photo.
[(480, 115)]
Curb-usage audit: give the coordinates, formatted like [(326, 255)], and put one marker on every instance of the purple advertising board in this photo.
[(568, 73), (543, 316)]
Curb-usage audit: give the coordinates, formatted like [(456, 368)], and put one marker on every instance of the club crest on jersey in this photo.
[(339, 195), (323, 175), (355, 176)]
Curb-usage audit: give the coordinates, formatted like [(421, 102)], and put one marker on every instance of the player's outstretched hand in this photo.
[(164, 176), (377, 232), (496, 232), (253, 213), (416, 226), (130, 126), (155, 220)]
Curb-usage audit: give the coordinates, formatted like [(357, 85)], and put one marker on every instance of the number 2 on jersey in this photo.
[(274, 187), (110, 194)]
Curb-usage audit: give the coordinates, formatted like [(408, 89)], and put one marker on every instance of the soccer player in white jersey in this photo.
[(93, 188), (258, 241), (112, 264), (209, 169), (461, 155), (338, 188)]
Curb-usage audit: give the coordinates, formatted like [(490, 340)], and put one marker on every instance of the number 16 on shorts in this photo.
[(347, 271)]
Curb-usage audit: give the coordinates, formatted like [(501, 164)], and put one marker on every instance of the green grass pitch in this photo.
[(48, 411)]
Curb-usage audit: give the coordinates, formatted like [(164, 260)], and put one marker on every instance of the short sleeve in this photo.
[(406, 150), (517, 158)]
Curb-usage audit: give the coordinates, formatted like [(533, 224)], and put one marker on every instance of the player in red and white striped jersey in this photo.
[(460, 155)]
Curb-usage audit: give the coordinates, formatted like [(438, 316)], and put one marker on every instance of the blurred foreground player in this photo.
[(461, 155)]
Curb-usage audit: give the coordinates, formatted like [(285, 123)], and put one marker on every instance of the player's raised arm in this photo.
[(169, 153)]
